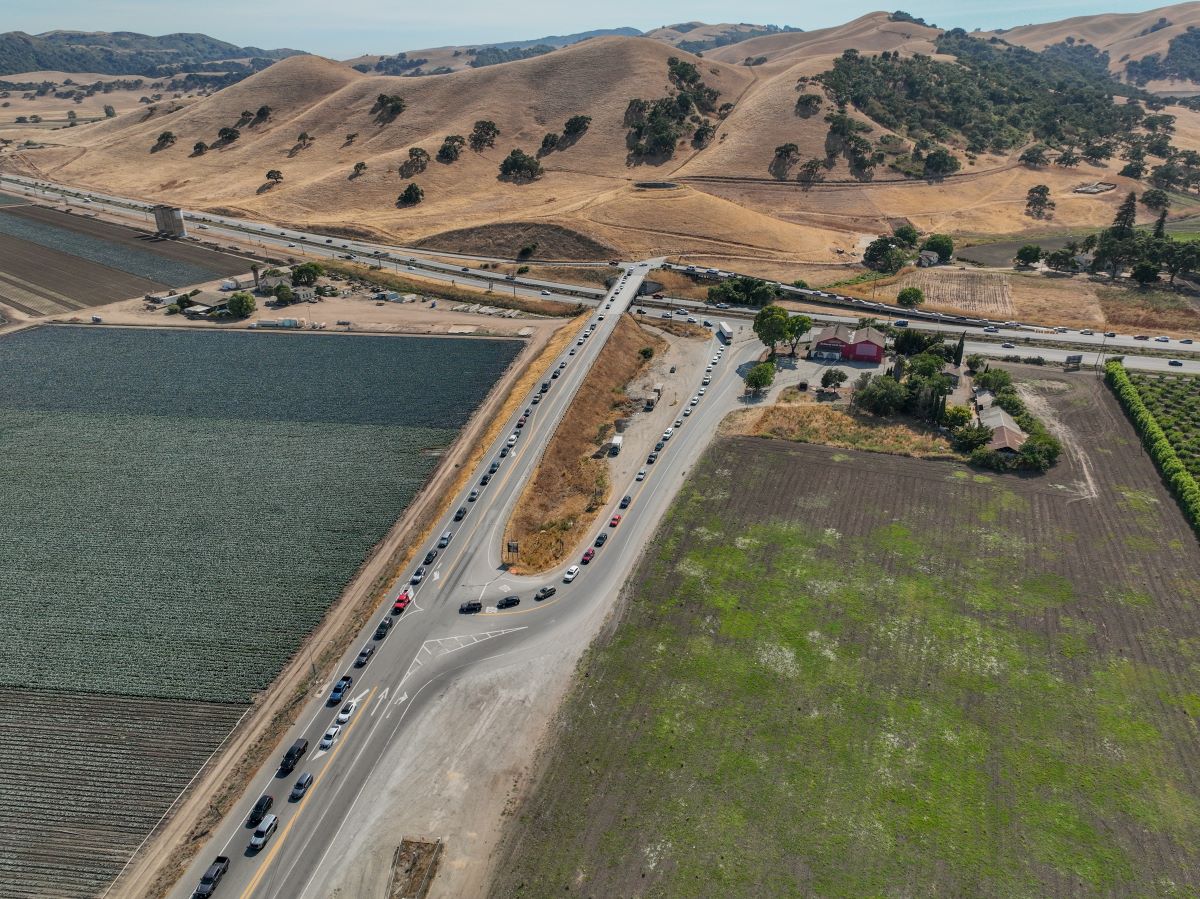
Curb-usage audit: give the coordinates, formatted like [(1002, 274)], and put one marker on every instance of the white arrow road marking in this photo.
[(402, 698), (437, 575), (361, 696), (382, 699)]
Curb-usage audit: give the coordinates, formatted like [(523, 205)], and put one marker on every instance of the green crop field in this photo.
[(842, 674), (178, 509), (1175, 403)]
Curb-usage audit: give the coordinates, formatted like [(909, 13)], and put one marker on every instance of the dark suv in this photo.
[(260, 810), (293, 755), (470, 608)]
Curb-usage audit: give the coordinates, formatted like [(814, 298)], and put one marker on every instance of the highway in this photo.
[(431, 641)]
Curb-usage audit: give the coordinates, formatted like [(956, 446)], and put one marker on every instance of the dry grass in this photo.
[(1159, 310), (587, 276), (570, 484), (813, 423), (680, 329), (980, 293), (677, 284), (408, 284)]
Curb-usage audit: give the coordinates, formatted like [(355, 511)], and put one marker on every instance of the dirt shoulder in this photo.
[(169, 850), (571, 482)]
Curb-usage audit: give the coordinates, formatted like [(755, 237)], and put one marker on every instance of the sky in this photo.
[(348, 28)]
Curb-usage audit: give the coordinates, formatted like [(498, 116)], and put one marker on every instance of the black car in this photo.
[(545, 593), (601, 539), (470, 608), (508, 602), (554, 377), (364, 656), (495, 466), (260, 810), (293, 755), (430, 556), (625, 501), (485, 480), (652, 458), (382, 630), (503, 451), (462, 510), (472, 496), (658, 447)]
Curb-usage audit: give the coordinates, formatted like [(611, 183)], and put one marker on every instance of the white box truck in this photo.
[(724, 332)]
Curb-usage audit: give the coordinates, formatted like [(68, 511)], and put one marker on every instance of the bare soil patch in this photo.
[(571, 481), (846, 674), (509, 238), (1156, 310)]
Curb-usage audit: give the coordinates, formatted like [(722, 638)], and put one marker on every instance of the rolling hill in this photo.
[(730, 199), (119, 52)]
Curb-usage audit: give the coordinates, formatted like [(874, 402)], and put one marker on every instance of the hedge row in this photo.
[(1156, 442)]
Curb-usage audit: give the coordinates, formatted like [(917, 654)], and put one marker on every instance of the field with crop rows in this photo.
[(982, 293), (845, 674), (1175, 402), (178, 509), (84, 778)]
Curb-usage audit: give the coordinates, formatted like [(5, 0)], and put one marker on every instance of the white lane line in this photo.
[(442, 646)]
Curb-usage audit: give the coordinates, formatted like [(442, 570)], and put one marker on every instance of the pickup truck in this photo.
[(212, 876)]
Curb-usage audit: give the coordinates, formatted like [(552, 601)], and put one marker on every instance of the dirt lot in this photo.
[(981, 293), (847, 674), (571, 482)]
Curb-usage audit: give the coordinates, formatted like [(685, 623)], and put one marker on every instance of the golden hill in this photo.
[(1124, 36), (728, 202)]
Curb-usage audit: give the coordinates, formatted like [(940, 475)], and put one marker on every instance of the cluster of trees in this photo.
[(774, 325), (657, 126), (166, 139), (490, 56), (996, 98), (241, 304), (1173, 470), (411, 195), (388, 106), (306, 275), (573, 129), (1182, 60), (1147, 255), (733, 36), (743, 291), (1040, 450), (451, 148), (889, 253), (417, 162), (520, 166), (399, 64), (760, 377), (483, 135)]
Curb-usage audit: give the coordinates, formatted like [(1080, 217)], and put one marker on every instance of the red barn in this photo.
[(853, 345)]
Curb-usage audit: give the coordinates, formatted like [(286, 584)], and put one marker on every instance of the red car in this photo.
[(616, 520), (521, 423), (401, 603), (588, 556)]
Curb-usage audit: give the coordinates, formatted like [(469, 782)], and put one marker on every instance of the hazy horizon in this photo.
[(364, 28)]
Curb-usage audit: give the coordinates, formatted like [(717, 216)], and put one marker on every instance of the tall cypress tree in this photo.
[(1122, 226), (1160, 225), (958, 350)]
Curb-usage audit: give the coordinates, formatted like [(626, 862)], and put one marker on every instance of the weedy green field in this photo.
[(846, 674), (178, 509)]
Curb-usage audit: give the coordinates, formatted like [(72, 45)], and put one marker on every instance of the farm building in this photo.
[(851, 344), (268, 283), (928, 258), (304, 294), (1007, 435)]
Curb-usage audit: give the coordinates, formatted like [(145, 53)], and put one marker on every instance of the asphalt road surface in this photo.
[(431, 641)]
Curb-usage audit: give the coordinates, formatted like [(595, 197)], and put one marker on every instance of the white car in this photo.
[(707, 380), (330, 737), (708, 369), (716, 359), (512, 439), (667, 433), (545, 293), (700, 392), (695, 400), (346, 712), (571, 574), (687, 412), (641, 475), (291, 245), (1163, 339), (679, 422)]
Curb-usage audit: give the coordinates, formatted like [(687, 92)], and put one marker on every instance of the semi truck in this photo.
[(724, 332)]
